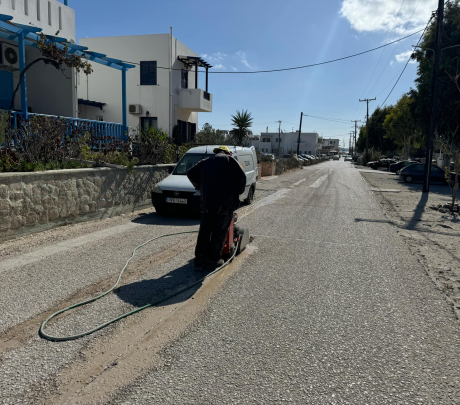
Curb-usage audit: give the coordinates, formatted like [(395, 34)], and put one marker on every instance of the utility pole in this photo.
[(356, 129), (367, 123), (350, 150), (300, 130), (279, 138), (434, 94)]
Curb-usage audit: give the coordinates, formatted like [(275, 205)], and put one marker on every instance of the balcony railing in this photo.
[(99, 129)]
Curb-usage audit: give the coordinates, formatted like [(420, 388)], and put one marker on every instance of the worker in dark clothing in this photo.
[(220, 180)]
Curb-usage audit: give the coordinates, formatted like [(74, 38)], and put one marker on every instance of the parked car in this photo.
[(396, 167), (336, 157), (385, 162), (348, 158), (176, 193), (268, 157), (415, 172)]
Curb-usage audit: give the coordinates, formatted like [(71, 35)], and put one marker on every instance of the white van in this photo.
[(176, 192)]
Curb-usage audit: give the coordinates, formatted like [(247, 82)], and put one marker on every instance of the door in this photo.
[(6, 89)]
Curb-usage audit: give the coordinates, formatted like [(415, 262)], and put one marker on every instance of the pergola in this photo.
[(196, 61), (26, 35)]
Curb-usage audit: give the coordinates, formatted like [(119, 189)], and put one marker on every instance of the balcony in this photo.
[(196, 100)]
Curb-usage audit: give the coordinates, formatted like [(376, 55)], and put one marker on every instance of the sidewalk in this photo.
[(432, 236)]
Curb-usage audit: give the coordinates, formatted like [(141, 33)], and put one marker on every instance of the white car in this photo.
[(176, 192)]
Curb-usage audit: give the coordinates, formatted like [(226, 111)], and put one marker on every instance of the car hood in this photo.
[(176, 183)]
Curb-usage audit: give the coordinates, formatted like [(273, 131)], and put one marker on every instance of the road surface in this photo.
[(326, 306)]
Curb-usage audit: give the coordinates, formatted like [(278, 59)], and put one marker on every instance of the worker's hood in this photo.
[(176, 183)]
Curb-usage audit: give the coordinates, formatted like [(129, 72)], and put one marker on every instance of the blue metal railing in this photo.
[(99, 129)]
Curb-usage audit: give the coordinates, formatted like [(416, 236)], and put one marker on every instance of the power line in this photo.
[(408, 60), (296, 67), (394, 50)]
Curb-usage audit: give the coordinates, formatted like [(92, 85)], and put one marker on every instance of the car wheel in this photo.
[(397, 172), (250, 198), (408, 179)]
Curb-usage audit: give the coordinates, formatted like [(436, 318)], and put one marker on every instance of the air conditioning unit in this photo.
[(9, 55), (135, 109)]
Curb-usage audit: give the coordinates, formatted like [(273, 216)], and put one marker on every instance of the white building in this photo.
[(48, 91), (156, 95), (44, 89), (269, 142), (330, 146)]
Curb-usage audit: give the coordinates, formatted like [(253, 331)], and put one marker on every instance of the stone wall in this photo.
[(32, 202)]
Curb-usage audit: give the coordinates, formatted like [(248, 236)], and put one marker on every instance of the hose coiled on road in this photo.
[(44, 335)]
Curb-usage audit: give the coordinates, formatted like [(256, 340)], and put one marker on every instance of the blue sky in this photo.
[(248, 35)]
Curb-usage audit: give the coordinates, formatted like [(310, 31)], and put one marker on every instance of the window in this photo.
[(149, 122), (149, 73), (26, 7), (266, 139), (38, 10), (60, 18), (184, 79), (49, 13)]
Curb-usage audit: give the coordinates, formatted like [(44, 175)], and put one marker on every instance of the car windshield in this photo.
[(187, 162)]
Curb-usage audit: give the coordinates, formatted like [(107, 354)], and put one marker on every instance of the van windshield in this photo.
[(187, 162)]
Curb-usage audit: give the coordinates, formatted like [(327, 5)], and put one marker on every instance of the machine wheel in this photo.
[(408, 179), (250, 196)]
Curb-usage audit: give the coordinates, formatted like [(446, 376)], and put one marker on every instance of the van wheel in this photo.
[(250, 198)]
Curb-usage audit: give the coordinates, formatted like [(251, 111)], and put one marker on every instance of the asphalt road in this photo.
[(327, 306)]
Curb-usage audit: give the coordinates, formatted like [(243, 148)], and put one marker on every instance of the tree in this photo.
[(377, 134), (54, 55), (210, 136), (448, 99), (400, 126), (242, 121)]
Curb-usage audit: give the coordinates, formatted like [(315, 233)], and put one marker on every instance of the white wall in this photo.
[(288, 143), (104, 84), (19, 16), (48, 90)]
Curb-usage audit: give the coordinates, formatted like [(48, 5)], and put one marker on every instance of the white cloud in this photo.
[(382, 15), (241, 55), (216, 57), (219, 66), (234, 69), (403, 56)]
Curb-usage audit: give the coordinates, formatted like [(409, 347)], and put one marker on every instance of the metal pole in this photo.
[(300, 130), (434, 93), (22, 65), (123, 100), (279, 138)]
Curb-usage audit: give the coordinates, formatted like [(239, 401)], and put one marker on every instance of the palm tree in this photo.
[(242, 121)]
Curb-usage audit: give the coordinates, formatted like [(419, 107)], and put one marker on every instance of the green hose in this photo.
[(44, 335)]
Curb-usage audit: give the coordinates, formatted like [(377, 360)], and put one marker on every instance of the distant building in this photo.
[(330, 146), (270, 142)]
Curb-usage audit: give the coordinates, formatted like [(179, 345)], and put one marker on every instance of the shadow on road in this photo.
[(179, 219), (144, 292)]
